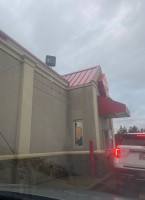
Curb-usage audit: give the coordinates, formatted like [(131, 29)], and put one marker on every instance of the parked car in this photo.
[(129, 159)]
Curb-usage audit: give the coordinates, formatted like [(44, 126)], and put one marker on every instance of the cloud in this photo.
[(82, 33)]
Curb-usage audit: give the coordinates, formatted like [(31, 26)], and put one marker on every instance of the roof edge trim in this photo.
[(98, 66), (27, 51)]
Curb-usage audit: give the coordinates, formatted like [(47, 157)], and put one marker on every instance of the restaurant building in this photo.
[(43, 113)]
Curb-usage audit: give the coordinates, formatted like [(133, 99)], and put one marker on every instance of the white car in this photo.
[(129, 159)]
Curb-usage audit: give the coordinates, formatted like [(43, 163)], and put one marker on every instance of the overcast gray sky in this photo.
[(84, 33)]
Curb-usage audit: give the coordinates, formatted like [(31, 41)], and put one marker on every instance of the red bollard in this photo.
[(92, 165)]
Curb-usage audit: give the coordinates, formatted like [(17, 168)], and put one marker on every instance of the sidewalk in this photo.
[(75, 182)]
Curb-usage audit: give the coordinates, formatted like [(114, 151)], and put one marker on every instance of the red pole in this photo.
[(92, 159)]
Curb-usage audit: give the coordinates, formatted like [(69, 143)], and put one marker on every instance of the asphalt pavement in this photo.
[(108, 184), (126, 188)]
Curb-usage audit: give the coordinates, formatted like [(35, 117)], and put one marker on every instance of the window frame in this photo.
[(74, 133)]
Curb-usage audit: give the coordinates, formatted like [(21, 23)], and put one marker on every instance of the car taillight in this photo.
[(117, 152)]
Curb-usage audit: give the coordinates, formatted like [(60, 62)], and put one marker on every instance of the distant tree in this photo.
[(119, 134), (133, 129), (142, 130), (122, 130), (130, 129)]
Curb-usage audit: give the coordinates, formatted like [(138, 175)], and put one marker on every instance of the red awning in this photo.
[(112, 109)]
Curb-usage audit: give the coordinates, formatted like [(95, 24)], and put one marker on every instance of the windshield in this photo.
[(71, 85)]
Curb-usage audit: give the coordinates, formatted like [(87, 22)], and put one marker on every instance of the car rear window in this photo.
[(133, 140)]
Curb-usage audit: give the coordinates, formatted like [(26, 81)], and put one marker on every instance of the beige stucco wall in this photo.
[(81, 107), (51, 109), (10, 78), (48, 131)]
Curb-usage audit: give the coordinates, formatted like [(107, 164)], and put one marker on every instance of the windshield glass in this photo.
[(133, 140), (72, 83)]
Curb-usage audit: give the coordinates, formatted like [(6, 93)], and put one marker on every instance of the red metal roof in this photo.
[(4, 36), (112, 109), (81, 77)]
